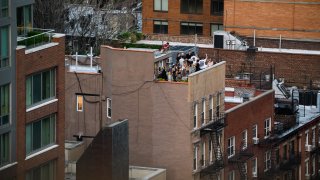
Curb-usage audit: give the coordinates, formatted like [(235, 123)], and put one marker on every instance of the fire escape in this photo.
[(241, 157), (213, 128)]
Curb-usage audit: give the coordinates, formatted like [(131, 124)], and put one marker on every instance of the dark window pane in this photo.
[(36, 135), (46, 85), (45, 134), (36, 88)]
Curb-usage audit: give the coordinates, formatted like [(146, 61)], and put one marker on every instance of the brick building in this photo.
[(32, 96), (269, 19)]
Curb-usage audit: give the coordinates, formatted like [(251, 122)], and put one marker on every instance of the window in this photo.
[(210, 108), (244, 143), (24, 19), (217, 7), (195, 115), (231, 148), (231, 175), (277, 156), (4, 104), (40, 134), (40, 87), (191, 6), (203, 152), (4, 8), (267, 127), (109, 107), (307, 167), (160, 27), (203, 115), (267, 160), (195, 157), (4, 46), (255, 131), (210, 150), (216, 27), (313, 137), (285, 154), (160, 5), (307, 138), (4, 149), (218, 104), (313, 165), (47, 171), (79, 103), (254, 167), (191, 28)]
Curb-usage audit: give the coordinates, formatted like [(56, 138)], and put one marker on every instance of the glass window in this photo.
[(216, 27), (4, 149), (40, 134), (203, 111), (267, 160), (40, 87), (210, 150), (24, 19), (210, 108), (192, 6), (160, 5), (191, 28), (244, 139), (254, 167), (267, 127), (203, 152), (4, 46), (231, 175), (195, 115), (109, 107), (47, 171), (79, 103), (231, 148), (307, 167), (4, 8), (217, 7), (195, 157), (160, 27), (4, 104)]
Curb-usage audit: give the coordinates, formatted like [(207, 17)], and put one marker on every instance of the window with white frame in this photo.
[(244, 142), (40, 134), (314, 137), (4, 149), (109, 107), (267, 160), (231, 146), (160, 5), (195, 115), (210, 108), (307, 137), (195, 157), (267, 127), (203, 154), (210, 150), (203, 115), (307, 167), (79, 103), (254, 167), (231, 175)]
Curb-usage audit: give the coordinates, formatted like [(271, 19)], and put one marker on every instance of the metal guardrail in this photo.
[(33, 37)]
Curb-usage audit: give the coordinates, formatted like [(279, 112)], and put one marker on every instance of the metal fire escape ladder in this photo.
[(217, 149), (242, 170)]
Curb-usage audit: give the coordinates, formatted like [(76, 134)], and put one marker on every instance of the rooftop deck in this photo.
[(33, 37)]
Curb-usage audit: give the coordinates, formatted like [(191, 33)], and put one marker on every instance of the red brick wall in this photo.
[(297, 69), (26, 64), (270, 19), (174, 17)]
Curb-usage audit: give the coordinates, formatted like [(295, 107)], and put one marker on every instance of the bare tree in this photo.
[(96, 22)]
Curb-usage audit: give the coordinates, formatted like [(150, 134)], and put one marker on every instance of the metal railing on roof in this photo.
[(33, 37)]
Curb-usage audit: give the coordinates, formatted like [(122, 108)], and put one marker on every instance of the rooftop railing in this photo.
[(33, 37)]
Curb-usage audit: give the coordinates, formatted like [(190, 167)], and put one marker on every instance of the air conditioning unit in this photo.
[(308, 148), (255, 140), (255, 174)]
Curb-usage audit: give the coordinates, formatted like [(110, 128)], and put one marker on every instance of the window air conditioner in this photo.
[(255, 140), (308, 148), (254, 174)]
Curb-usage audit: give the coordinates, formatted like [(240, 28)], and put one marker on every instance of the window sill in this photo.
[(41, 105), (7, 166), (42, 151)]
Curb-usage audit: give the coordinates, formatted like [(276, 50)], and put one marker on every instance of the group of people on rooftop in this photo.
[(185, 65)]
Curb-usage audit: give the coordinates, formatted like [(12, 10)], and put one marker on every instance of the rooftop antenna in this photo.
[(91, 56)]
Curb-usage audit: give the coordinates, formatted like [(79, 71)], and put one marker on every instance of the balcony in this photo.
[(33, 37), (217, 123), (212, 168)]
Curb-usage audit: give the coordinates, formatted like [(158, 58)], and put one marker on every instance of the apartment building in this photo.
[(32, 96), (163, 19), (172, 125)]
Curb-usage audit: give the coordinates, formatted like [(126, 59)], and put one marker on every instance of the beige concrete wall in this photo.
[(86, 122)]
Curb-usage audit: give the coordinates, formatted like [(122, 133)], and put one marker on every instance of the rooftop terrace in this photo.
[(34, 37)]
